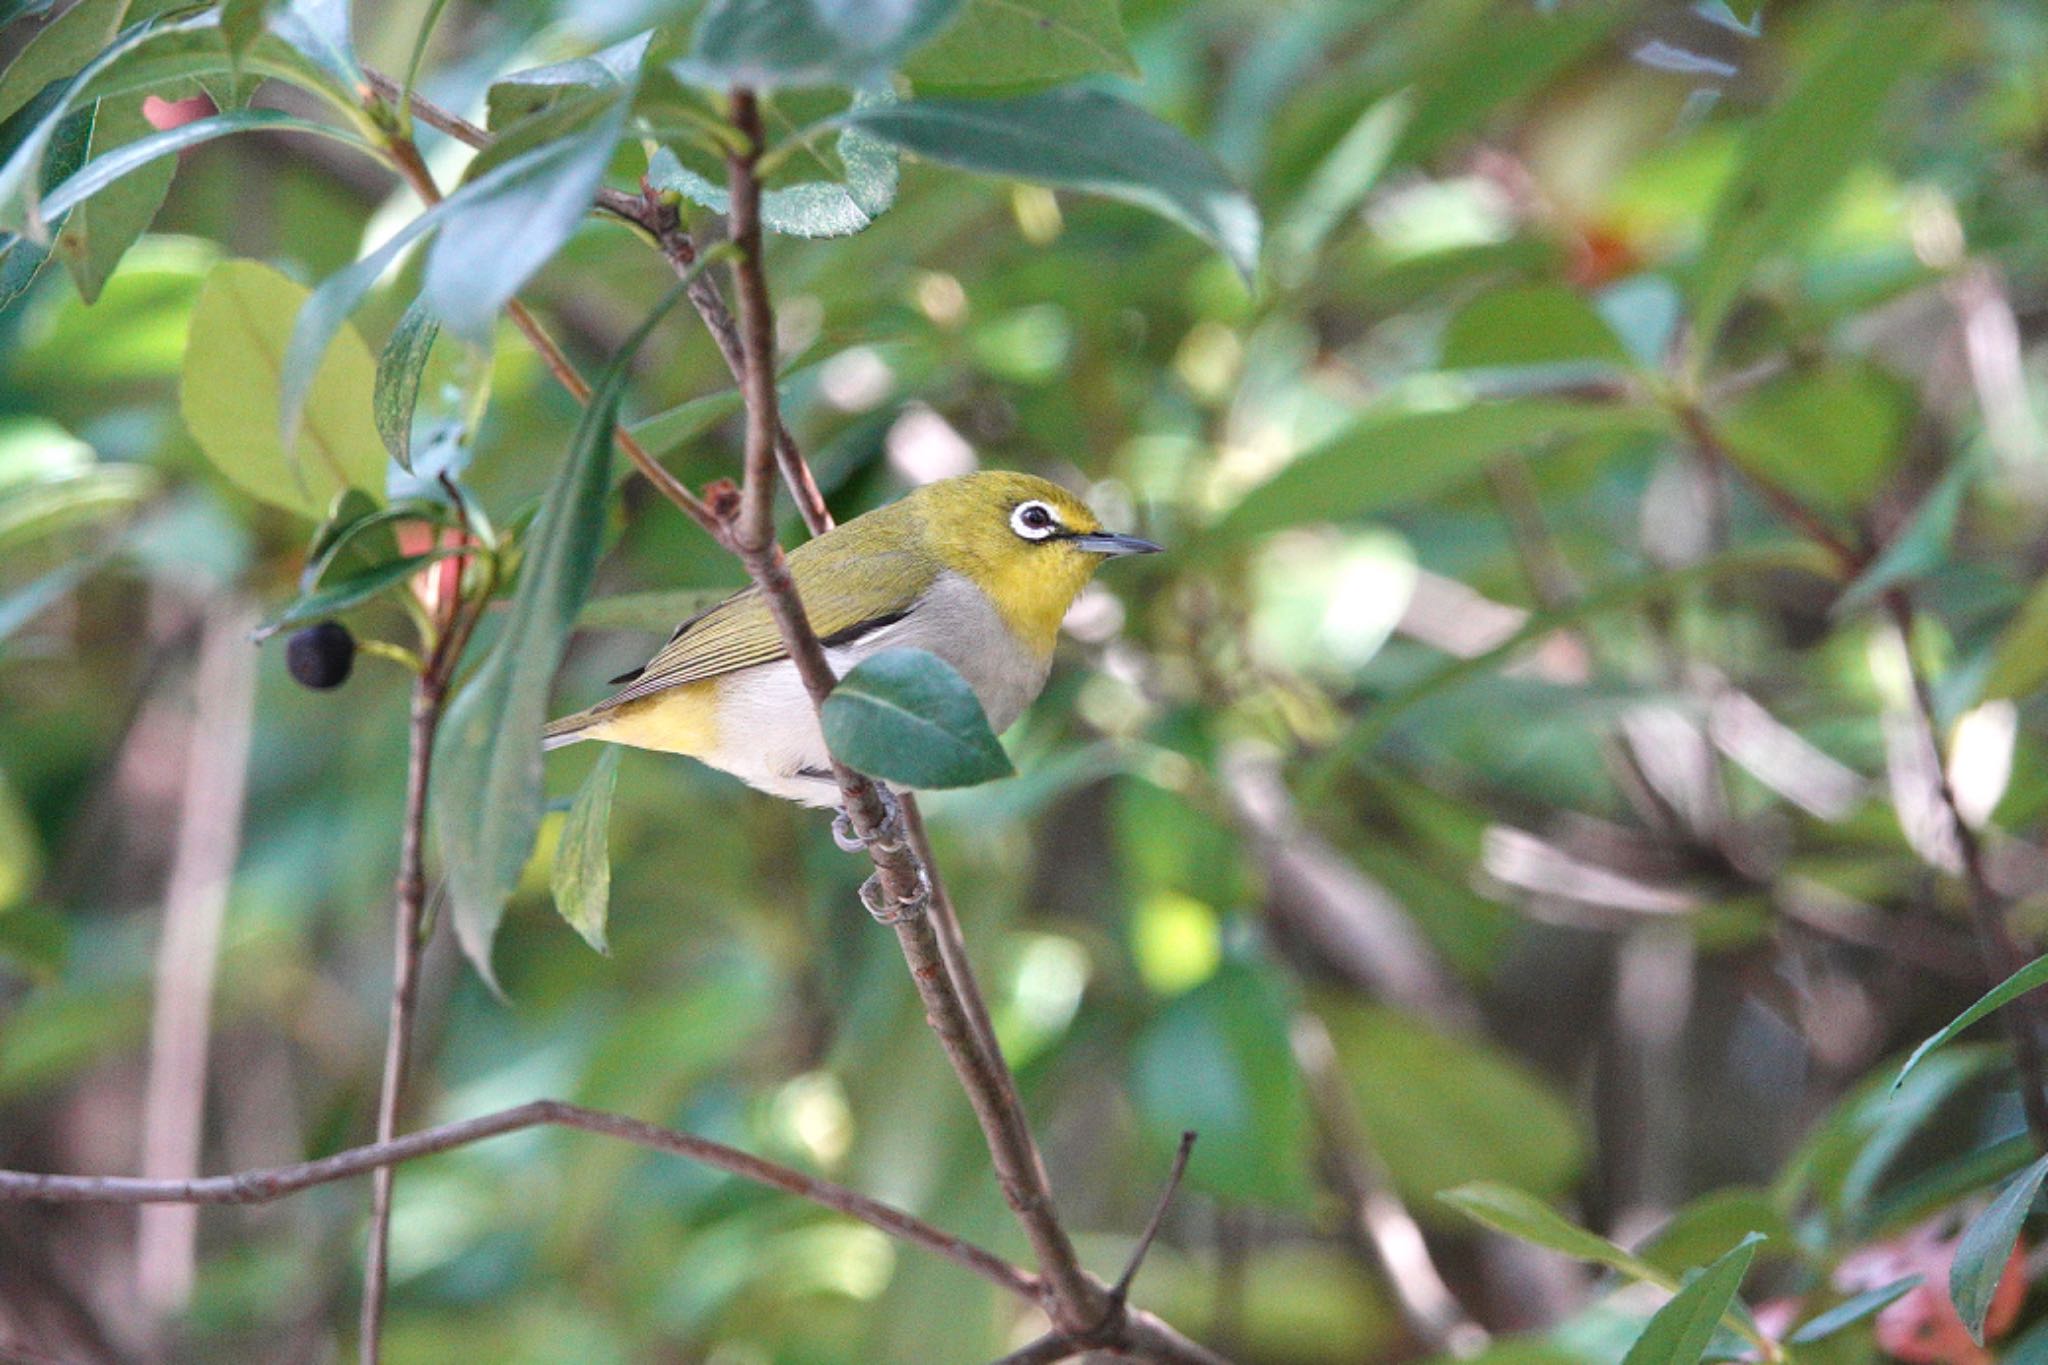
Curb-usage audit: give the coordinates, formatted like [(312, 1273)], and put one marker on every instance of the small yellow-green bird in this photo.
[(978, 570)]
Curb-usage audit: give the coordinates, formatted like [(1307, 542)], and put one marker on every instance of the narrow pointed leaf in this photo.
[(1508, 1210), (1800, 154), (490, 244), (763, 44), (1400, 455), (1081, 140), (399, 366), (487, 760), (352, 590), (1680, 1331), (582, 875), (1851, 1311), (2028, 978), (134, 157), (1985, 1248), (1015, 42), (99, 232)]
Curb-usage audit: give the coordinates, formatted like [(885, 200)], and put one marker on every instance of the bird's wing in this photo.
[(845, 600)]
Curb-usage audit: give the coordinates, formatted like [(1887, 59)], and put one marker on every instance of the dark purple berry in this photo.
[(321, 656)]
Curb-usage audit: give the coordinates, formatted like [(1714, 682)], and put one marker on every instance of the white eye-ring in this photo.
[(1034, 521)]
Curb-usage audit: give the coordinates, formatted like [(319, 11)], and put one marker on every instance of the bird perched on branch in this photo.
[(978, 570)]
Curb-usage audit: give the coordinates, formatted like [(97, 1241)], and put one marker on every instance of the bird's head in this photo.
[(1028, 543)]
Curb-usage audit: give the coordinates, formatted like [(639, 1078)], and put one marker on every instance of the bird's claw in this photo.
[(843, 835), (896, 910), (889, 836)]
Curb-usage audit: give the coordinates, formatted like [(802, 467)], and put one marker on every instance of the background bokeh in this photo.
[(1505, 792)]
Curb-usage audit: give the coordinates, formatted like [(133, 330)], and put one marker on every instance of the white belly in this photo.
[(955, 621)]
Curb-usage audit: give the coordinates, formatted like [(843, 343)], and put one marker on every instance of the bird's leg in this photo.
[(888, 910), (890, 837)]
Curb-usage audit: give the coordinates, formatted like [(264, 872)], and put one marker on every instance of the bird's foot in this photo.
[(889, 836), (889, 909)]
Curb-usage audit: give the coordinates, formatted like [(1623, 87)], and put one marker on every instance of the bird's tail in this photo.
[(566, 730)]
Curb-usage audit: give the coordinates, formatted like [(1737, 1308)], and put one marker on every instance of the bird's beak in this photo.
[(1110, 543)]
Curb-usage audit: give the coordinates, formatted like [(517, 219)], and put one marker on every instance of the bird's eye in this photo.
[(1034, 521)]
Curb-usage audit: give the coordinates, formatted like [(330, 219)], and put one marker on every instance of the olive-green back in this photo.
[(872, 568)]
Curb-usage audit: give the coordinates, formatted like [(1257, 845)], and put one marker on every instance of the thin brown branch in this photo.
[(1081, 1307), (664, 224), (755, 523), (429, 691), (1699, 428), (1122, 1288), (263, 1186), (2002, 955), (459, 618), (426, 111)]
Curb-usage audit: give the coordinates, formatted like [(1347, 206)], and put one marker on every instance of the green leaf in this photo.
[(1922, 548), (649, 611), (1702, 1227), (352, 590), (1851, 1311), (811, 209), (319, 31), (1015, 42), (399, 366), (1985, 1248), (140, 60), (1831, 434), (526, 93), (339, 537), (763, 44), (487, 192), (1443, 1111), (487, 759), (1529, 324), (242, 22), (1679, 1332), (1798, 156), (99, 232), (491, 243), (1339, 185), (1400, 455), (2028, 978), (60, 50), (1507, 1210), (1500, 54), (1081, 140), (125, 161), (1216, 1062), (230, 395), (21, 262), (905, 716), (2019, 662), (21, 853), (582, 875), (666, 430), (88, 498)]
